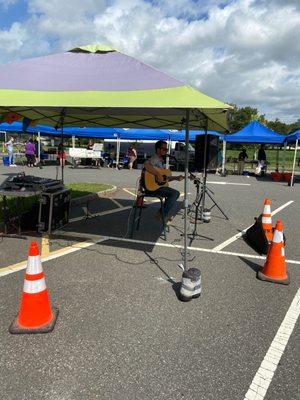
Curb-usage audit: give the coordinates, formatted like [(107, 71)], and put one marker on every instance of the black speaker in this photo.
[(212, 143), (54, 210)]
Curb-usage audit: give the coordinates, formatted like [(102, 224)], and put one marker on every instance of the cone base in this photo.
[(15, 328), (266, 278)]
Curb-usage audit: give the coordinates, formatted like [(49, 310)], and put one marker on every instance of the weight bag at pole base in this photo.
[(191, 285), (256, 238)]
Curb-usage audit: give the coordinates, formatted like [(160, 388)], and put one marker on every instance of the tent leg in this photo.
[(118, 151), (186, 183), (224, 157), (62, 160), (294, 163)]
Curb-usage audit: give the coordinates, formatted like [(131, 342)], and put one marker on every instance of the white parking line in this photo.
[(92, 239), (266, 371), (229, 183), (115, 202), (240, 234)]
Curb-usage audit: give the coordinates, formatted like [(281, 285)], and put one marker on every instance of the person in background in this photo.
[(112, 156), (262, 159), (61, 154), (30, 152), (36, 144), (10, 149), (219, 160), (132, 156), (241, 161), (90, 146)]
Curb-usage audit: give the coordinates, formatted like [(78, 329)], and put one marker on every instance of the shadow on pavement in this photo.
[(255, 267)]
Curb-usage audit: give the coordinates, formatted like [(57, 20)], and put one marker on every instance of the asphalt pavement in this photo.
[(121, 332)]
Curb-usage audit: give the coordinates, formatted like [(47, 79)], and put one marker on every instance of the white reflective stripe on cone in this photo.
[(278, 237), (34, 265), (266, 220), (282, 252), (267, 209), (34, 286)]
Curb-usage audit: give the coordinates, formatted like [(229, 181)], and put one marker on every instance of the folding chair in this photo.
[(138, 208)]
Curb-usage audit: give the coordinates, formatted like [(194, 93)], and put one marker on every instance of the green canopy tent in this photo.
[(97, 85)]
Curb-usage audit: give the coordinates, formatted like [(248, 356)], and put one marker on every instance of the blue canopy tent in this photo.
[(254, 132), (107, 133), (294, 138)]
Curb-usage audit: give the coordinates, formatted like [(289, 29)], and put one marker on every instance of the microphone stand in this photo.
[(197, 205)]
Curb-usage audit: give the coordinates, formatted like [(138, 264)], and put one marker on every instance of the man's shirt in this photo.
[(156, 161)]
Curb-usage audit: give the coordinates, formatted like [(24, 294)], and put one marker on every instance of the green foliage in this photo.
[(241, 116)]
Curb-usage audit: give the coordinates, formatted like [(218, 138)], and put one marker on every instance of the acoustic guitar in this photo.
[(151, 183)]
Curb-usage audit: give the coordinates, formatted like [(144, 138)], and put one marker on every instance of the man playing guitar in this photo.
[(154, 167)]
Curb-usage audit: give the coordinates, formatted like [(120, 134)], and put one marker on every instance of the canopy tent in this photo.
[(107, 133), (255, 132), (294, 138), (98, 86)]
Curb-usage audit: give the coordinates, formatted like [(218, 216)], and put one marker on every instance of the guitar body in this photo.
[(151, 183)]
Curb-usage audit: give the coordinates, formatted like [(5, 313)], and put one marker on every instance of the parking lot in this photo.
[(122, 333)]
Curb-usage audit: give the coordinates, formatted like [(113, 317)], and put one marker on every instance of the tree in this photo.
[(278, 126), (243, 116)]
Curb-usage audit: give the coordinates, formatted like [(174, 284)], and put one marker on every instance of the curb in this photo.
[(93, 196)]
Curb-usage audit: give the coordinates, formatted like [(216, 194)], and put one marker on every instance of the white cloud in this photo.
[(246, 52), (7, 3)]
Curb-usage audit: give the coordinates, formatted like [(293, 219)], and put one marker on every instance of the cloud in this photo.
[(7, 3), (243, 51)]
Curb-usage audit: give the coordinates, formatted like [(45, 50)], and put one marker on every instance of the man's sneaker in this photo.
[(13, 165)]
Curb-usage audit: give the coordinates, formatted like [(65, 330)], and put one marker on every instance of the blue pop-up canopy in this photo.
[(255, 132), (293, 137), (107, 133)]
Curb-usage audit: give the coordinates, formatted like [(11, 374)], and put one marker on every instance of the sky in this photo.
[(245, 52)]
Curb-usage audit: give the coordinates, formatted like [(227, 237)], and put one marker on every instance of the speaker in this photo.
[(211, 151), (54, 210)]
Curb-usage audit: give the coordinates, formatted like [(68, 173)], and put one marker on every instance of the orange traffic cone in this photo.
[(267, 220), (35, 315), (274, 269)]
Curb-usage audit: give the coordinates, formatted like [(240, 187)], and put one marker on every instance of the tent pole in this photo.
[(186, 183), (284, 153), (39, 146), (224, 156), (169, 151), (204, 166), (118, 151), (294, 163), (73, 141), (62, 144)]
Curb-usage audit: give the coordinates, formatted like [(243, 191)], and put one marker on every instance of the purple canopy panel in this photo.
[(110, 71)]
